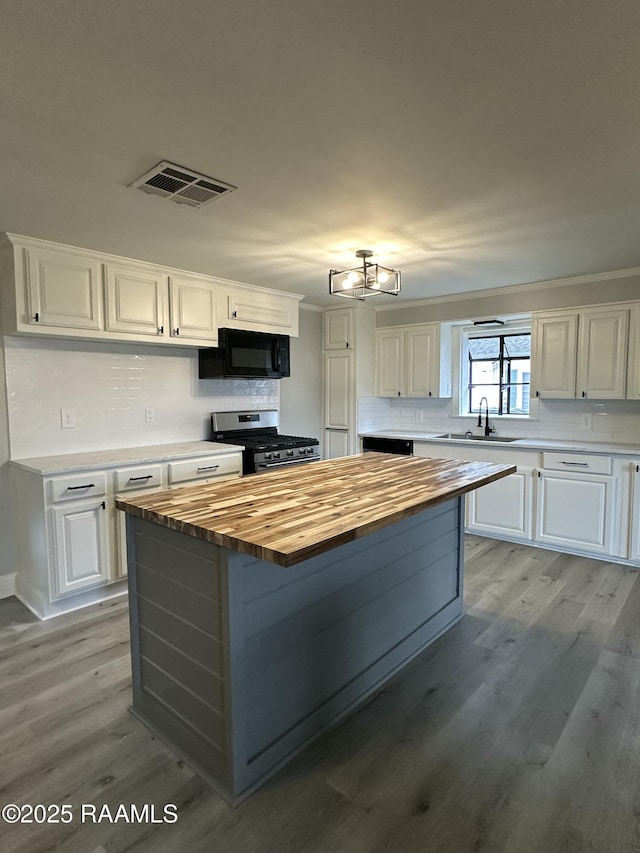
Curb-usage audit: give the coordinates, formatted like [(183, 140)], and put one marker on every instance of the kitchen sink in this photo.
[(462, 436)]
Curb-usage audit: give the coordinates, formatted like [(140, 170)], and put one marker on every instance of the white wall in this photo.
[(109, 386), (301, 393), (8, 558)]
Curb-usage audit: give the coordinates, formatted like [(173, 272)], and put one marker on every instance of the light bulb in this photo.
[(350, 281), (383, 278)]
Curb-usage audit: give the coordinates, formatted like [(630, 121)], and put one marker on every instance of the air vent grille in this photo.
[(184, 186)]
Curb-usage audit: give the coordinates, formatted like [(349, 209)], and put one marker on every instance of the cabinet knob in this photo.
[(537, 393), (429, 393), (398, 393), (347, 344)]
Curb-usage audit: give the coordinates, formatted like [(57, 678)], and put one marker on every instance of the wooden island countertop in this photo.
[(287, 516)]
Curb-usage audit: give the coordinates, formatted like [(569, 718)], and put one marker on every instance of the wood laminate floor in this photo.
[(518, 731)]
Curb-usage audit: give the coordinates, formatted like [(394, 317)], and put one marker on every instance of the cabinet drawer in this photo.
[(141, 477), (577, 462), (205, 468), (77, 486)]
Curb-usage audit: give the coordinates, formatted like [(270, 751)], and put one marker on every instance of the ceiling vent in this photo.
[(181, 185)]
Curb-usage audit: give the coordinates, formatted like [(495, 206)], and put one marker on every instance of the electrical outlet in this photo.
[(68, 418), (587, 421), (149, 415)]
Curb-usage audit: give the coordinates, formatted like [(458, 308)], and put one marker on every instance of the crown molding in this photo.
[(310, 306), (514, 288)]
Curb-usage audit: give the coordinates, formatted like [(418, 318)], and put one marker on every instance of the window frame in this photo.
[(465, 329), (504, 383)]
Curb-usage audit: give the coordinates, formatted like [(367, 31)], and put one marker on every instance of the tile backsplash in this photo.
[(109, 386), (616, 421)]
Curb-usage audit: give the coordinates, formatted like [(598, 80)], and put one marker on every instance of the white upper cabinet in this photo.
[(135, 299), (580, 353), (63, 289), (338, 324), (390, 364), (193, 309), (554, 344), (633, 367), (54, 290), (414, 362), (260, 310), (602, 353)]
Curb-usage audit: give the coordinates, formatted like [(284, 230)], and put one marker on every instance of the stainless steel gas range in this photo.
[(265, 449)]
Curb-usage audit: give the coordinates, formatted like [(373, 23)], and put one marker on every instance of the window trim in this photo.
[(520, 323)]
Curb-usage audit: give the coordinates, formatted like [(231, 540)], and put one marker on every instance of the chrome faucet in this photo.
[(487, 429)]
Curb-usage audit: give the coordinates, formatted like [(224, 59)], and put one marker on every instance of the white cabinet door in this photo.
[(575, 511), (64, 290), (634, 551), (602, 353), (554, 340), (80, 540), (504, 507), (390, 364), (633, 365), (135, 300), (422, 355), (192, 304), (259, 310), (338, 390), (336, 443), (338, 328)]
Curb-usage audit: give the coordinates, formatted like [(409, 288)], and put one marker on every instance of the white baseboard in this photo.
[(7, 585)]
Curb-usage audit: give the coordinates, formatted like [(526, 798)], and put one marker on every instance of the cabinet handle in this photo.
[(36, 317), (146, 477), (104, 506), (234, 313), (347, 344), (208, 468), (537, 393), (398, 393), (75, 488), (539, 474), (176, 332), (584, 393), (429, 393), (637, 469), (579, 464), (161, 330)]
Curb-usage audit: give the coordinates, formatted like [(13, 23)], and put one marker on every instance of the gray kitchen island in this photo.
[(265, 609)]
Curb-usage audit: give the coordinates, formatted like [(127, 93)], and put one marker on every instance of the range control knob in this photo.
[(276, 455), (267, 456), (289, 452)]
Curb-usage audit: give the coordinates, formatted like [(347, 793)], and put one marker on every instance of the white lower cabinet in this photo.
[(575, 511), (71, 538), (80, 546), (634, 549), (504, 507)]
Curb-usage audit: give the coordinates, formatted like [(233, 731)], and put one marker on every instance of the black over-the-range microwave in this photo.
[(245, 355)]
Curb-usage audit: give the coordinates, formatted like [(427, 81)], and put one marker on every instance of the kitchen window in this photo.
[(499, 368)]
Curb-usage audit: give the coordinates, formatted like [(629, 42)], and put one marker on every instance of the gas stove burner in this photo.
[(264, 448)]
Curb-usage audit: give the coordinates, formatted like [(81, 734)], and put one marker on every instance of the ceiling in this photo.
[(470, 144)]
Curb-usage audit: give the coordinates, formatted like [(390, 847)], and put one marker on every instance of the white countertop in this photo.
[(63, 463), (518, 444)]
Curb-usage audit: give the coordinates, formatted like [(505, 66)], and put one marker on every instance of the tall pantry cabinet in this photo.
[(348, 342)]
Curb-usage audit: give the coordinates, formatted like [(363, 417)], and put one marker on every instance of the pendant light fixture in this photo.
[(366, 280)]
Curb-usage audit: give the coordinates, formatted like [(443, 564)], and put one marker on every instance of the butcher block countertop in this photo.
[(290, 515)]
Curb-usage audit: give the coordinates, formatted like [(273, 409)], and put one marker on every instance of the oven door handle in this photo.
[(266, 465)]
